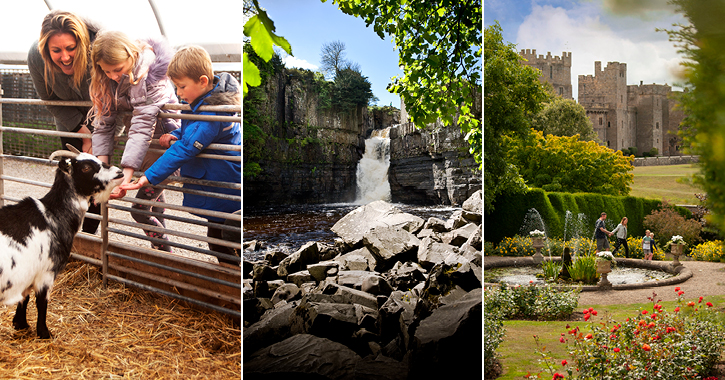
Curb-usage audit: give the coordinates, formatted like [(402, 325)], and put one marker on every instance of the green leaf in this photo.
[(260, 30), (251, 74)]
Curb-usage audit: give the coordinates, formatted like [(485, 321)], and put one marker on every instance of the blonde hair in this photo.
[(192, 62), (61, 22), (112, 48)]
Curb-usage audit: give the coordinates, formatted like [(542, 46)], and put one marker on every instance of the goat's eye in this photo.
[(86, 169)]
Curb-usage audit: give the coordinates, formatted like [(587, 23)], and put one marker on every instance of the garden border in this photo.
[(682, 273)]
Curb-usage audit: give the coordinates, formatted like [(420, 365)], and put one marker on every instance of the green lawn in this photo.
[(518, 350), (660, 182)]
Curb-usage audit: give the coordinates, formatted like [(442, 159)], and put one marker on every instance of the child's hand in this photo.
[(118, 193), (143, 181), (165, 140)]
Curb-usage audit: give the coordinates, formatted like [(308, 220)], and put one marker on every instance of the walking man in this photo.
[(601, 233)]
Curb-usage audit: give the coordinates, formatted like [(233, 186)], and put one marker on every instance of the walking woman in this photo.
[(621, 231), (59, 65)]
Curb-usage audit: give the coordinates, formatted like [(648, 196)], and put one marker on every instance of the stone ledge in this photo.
[(681, 273)]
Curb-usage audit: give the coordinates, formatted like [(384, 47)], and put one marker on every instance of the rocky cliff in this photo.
[(308, 153), (431, 165)]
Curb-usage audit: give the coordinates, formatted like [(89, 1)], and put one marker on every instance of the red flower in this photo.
[(562, 340), (557, 376), (646, 347), (709, 304), (691, 304), (644, 312), (594, 312), (680, 293), (677, 309), (589, 336), (677, 289), (564, 362), (651, 324), (591, 309), (586, 317), (616, 349), (585, 311), (700, 301)]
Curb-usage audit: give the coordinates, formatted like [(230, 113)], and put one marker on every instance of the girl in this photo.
[(131, 76)]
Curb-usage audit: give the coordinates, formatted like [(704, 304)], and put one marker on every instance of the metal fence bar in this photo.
[(174, 244), (174, 295), (85, 103), (138, 270)]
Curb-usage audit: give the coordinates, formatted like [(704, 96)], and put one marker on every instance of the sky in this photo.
[(183, 20), (308, 24), (595, 30)]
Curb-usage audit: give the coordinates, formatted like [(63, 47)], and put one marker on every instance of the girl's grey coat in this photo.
[(145, 100)]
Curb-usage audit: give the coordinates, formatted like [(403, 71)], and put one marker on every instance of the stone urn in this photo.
[(604, 267), (676, 250), (538, 243)]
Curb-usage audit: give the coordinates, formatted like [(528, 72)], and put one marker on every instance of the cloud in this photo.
[(290, 61), (591, 35)]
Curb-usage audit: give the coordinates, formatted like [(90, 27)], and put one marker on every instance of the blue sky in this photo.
[(594, 30), (308, 24)]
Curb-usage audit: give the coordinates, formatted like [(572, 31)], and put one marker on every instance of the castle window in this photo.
[(561, 90), (600, 121), (658, 125), (607, 143), (551, 72), (609, 124)]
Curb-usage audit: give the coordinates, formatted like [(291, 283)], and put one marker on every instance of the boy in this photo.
[(648, 245), (191, 71)]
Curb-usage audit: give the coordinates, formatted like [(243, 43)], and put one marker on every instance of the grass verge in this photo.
[(660, 182)]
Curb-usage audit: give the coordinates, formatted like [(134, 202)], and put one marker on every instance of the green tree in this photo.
[(564, 117), (350, 89), (566, 164), (439, 49), (260, 31), (703, 130), (512, 96)]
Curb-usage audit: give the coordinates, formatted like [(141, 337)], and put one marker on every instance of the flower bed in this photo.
[(684, 343), (530, 302)]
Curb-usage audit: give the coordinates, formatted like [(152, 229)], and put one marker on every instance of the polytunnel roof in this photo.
[(214, 24)]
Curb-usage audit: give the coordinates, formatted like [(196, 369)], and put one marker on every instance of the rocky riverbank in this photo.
[(395, 297)]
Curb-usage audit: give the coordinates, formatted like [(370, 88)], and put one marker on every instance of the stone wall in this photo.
[(310, 153), (665, 160), (431, 166), (555, 70)]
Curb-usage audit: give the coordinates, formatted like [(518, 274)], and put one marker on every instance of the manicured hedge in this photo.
[(510, 210)]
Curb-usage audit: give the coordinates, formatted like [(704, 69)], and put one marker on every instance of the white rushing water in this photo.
[(372, 170)]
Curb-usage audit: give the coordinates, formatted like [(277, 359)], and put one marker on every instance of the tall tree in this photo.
[(564, 117), (512, 96), (332, 58), (439, 49), (702, 43)]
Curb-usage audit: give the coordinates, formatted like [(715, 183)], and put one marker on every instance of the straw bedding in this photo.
[(118, 333)]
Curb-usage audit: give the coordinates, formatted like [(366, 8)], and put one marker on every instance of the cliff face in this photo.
[(431, 166), (309, 154)]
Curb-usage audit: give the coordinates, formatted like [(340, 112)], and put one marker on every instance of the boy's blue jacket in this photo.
[(193, 137)]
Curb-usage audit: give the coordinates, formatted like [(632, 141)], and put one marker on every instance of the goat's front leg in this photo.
[(20, 321), (41, 300)]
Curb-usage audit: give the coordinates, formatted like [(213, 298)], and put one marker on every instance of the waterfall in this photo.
[(372, 170)]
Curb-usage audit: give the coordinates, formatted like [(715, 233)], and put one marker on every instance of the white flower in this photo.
[(537, 233), (677, 239), (605, 255)]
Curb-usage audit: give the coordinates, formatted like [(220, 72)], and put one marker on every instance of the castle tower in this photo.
[(604, 96), (554, 70)]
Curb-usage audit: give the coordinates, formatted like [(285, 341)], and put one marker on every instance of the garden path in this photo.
[(708, 279)]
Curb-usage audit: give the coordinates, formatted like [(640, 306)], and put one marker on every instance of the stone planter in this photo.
[(604, 267), (538, 243), (676, 250)]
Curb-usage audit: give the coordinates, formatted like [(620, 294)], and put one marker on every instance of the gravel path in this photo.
[(708, 279), (46, 174)]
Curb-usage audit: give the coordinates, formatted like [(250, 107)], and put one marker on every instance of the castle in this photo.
[(623, 116)]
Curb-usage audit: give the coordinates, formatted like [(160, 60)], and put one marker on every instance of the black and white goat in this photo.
[(36, 235)]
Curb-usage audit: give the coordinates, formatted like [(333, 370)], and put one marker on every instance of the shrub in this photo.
[(709, 251), (584, 269), (667, 222), (488, 248), (551, 270), (541, 302), (493, 333), (685, 343)]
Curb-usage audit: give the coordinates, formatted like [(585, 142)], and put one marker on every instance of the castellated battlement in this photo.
[(650, 89), (530, 55)]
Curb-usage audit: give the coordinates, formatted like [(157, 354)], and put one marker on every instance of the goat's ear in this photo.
[(66, 165)]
